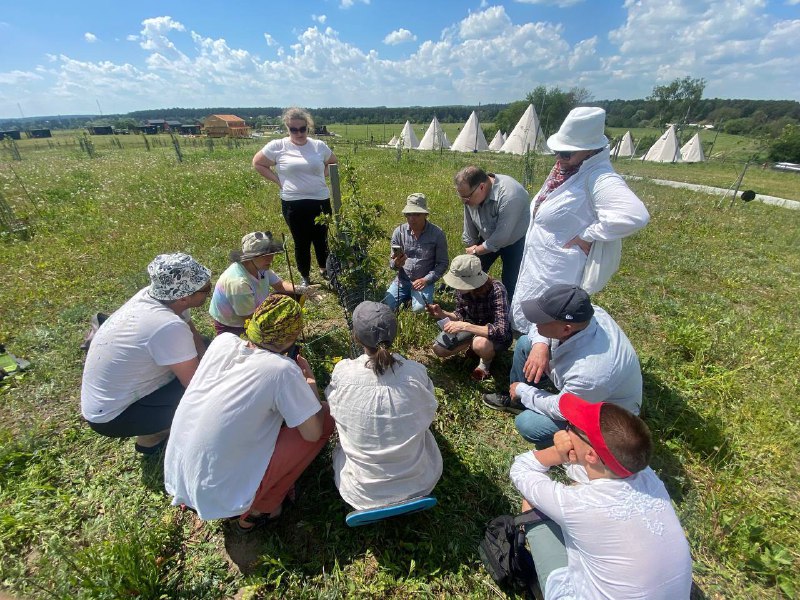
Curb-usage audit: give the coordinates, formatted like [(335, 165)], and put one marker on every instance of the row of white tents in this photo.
[(526, 135), (666, 148)]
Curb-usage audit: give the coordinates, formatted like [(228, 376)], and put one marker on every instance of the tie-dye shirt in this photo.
[(238, 293)]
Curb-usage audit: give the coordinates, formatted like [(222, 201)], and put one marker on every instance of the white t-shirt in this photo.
[(130, 356), (237, 294), (224, 431), (386, 452), (300, 169), (622, 536)]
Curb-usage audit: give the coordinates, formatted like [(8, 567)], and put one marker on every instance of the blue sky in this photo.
[(65, 57)]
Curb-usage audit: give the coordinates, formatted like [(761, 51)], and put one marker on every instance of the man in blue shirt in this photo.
[(581, 349), (419, 255)]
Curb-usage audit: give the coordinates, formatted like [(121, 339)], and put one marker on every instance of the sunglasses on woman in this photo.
[(564, 155), (302, 129)]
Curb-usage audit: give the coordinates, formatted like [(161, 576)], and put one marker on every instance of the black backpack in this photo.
[(503, 550)]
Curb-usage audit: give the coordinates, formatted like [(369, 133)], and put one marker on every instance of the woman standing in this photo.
[(383, 405), (298, 164), (246, 283), (582, 202)]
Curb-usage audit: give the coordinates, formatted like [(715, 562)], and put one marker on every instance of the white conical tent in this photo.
[(471, 138), (497, 141), (624, 147), (408, 138), (665, 149), (393, 141), (692, 150), (434, 138), (527, 135)]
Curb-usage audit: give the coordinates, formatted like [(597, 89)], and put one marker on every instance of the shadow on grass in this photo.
[(675, 424)]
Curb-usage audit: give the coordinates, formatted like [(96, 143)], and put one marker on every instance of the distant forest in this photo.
[(732, 116)]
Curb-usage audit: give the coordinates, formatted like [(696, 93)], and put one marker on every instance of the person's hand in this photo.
[(563, 445), (400, 260), (477, 250), (455, 326), (538, 362), (512, 390), (304, 367), (435, 310), (580, 243), (419, 284)]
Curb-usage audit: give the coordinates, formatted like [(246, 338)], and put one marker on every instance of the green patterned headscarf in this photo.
[(275, 323)]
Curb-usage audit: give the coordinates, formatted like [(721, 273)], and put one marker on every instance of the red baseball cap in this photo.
[(586, 417)]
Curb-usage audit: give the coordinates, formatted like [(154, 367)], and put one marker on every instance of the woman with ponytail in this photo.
[(383, 405)]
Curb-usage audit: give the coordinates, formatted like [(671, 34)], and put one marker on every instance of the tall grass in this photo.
[(705, 295)]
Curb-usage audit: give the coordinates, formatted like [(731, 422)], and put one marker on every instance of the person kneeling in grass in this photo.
[(480, 322), (383, 405), (230, 453), (614, 534)]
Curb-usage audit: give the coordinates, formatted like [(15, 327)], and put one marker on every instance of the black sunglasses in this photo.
[(564, 155), (576, 431), (302, 129)]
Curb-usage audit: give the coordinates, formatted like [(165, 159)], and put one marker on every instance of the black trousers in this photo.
[(300, 215), (146, 416)]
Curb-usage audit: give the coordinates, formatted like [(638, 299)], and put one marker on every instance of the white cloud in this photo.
[(351, 3), (18, 77), (558, 3), (398, 36), (483, 57), (132, 38), (792, 2), (319, 19), (90, 37)]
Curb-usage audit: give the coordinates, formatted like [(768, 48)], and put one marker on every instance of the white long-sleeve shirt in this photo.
[(566, 213), (622, 536)]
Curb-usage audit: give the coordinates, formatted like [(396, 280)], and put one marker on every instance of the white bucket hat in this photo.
[(465, 273), (583, 129)]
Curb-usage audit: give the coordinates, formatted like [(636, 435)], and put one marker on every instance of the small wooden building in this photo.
[(101, 129), (11, 134), (225, 126), (159, 124), (39, 133), (189, 129)]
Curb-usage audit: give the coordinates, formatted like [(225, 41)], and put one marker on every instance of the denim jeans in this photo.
[(400, 291), (512, 261), (535, 427)]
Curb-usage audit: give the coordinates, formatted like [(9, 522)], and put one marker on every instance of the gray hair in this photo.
[(295, 113)]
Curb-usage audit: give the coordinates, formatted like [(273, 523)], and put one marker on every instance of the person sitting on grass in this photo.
[(383, 405), (480, 322), (249, 424), (581, 349), (614, 534), (419, 255), (246, 283), (145, 354)]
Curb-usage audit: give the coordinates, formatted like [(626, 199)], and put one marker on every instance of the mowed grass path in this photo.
[(707, 297)]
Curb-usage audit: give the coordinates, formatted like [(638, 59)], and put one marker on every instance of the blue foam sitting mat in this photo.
[(371, 515)]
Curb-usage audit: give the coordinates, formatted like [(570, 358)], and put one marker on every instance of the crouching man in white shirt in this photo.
[(614, 534), (249, 424)]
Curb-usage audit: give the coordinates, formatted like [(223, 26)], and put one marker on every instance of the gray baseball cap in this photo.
[(561, 302), (374, 323)]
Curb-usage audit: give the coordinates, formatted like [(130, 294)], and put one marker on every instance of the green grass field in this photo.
[(707, 297)]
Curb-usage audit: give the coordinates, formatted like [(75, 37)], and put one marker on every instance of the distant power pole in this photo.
[(20, 110)]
